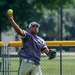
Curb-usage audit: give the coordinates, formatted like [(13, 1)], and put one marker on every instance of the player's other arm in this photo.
[(46, 51), (15, 26)]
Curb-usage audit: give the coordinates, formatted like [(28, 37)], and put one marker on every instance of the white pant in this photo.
[(29, 68)]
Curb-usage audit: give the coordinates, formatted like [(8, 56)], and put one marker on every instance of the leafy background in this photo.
[(44, 12)]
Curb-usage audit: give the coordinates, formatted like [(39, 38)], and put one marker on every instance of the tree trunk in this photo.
[(0, 40), (0, 35)]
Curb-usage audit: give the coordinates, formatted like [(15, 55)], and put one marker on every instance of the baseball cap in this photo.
[(34, 23)]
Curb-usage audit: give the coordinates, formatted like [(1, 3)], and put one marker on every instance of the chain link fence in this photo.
[(63, 64)]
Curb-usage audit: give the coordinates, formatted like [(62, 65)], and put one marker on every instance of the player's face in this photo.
[(34, 29)]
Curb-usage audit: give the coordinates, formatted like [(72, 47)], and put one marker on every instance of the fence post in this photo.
[(8, 61), (60, 60), (3, 59)]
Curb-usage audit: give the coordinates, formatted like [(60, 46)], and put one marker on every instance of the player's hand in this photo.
[(46, 51), (10, 16)]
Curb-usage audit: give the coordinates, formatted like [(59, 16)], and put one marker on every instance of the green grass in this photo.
[(68, 67), (49, 67), (52, 67)]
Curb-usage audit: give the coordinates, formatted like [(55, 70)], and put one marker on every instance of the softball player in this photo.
[(33, 45)]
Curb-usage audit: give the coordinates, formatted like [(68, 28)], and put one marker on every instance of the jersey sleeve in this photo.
[(44, 45), (25, 32)]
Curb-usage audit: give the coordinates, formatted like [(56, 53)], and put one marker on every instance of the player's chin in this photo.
[(35, 32)]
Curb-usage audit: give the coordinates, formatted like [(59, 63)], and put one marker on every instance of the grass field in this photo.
[(49, 67), (53, 67)]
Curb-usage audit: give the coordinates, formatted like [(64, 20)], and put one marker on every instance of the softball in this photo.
[(10, 11)]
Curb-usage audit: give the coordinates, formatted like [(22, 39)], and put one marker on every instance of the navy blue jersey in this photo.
[(32, 47)]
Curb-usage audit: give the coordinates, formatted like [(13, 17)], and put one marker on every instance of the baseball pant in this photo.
[(29, 68)]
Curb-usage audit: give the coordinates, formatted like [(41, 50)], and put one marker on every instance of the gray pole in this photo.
[(60, 34), (60, 16)]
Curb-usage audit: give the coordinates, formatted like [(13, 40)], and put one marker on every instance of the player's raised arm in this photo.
[(14, 24)]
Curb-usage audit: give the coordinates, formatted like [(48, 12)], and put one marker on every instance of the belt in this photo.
[(28, 61)]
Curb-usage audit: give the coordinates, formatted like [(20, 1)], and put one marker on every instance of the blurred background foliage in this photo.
[(44, 12)]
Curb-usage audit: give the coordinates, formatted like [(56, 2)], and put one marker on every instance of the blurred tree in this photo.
[(48, 26), (69, 23), (4, 24), (26, 11)]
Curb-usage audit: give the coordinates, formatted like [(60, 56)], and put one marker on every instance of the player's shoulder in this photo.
[(25, 32), (40, 38)]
